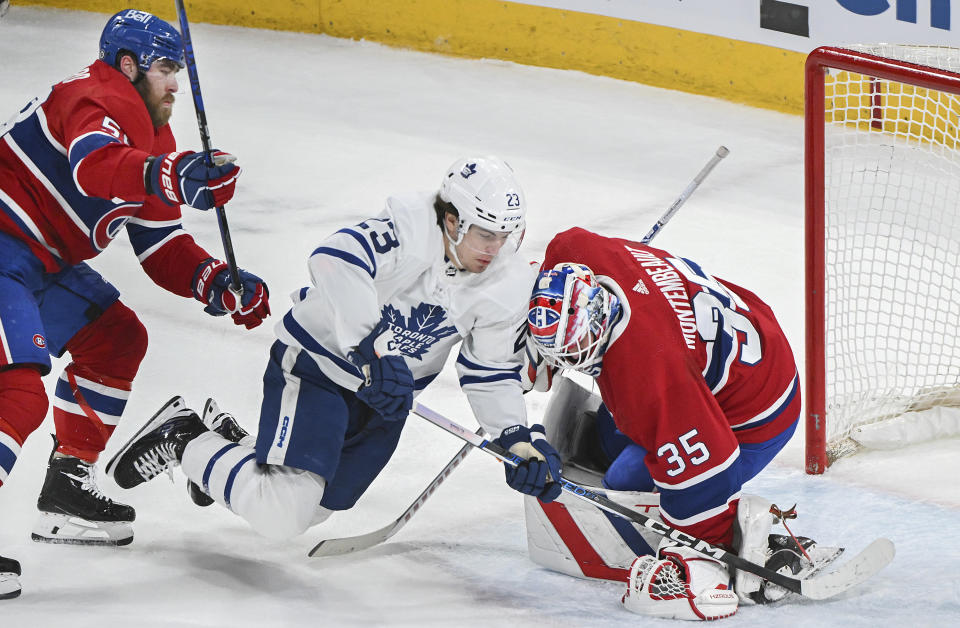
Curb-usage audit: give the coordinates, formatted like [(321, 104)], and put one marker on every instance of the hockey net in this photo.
[(882, 247)]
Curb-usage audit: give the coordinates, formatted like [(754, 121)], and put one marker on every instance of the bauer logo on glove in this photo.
[(185, 178), (211, 286)]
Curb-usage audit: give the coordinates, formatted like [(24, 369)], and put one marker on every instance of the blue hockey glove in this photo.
[(388, 382), (537, 476), (177, 178), (211, 285)]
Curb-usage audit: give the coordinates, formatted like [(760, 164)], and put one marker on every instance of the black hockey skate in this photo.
[(785, 558), (157, 446), (225, 425), (73, 510), (9, 578)]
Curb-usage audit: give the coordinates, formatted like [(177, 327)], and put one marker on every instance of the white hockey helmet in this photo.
[(485, 193)]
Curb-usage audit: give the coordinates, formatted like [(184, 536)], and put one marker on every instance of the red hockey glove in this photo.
[(211, 285), (177, 178)]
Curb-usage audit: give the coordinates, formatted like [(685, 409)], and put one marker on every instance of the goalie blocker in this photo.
[(573, 537)]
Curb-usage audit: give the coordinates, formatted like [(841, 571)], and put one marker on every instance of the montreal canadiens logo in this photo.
[(110, 225), (40, 341), (543, 321)]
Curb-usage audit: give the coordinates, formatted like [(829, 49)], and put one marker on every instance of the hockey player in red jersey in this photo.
[(92, 157), (699, 379)]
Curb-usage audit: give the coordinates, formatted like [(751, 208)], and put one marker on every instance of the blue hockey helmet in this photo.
[(145, 35)]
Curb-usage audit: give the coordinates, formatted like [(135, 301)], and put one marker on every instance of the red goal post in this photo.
[(882, 240)]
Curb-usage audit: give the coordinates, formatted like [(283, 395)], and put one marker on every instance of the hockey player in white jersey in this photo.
[(390, 298)]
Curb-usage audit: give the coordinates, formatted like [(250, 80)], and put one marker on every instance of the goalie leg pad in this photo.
[(576, 538), (754, 522), (681, 585)]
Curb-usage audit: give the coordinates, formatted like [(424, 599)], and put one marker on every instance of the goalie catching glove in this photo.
[(211, 286), (185, 178), (681, 584), (387, 381), (537, 475)]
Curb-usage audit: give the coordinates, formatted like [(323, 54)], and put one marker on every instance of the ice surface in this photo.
[(326, 129)]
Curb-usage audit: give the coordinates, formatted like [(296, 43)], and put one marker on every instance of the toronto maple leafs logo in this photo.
[(468, 170), (414, 335)]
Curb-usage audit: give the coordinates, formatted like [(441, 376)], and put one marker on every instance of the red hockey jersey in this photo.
[(696, 366), (71, 176)]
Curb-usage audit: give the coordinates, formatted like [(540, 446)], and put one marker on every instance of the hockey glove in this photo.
[(681, 584), (177, 178), (388, 382), (211, 285), (538, 474)]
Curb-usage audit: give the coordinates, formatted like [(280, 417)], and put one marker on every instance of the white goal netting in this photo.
[(892, 222)]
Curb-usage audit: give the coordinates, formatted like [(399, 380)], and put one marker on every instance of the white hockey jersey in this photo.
[(393, 267)]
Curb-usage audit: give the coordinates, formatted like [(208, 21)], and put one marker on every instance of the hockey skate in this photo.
[(73, 510), (783, 556), (9, 578), (798, 557), (225, 425), (157, 446)]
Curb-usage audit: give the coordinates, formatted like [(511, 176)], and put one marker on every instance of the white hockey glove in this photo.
[(681, 584)]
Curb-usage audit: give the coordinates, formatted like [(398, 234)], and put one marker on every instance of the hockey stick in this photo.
[(859, 569), (235, 284), (347, 544), (722, 152)]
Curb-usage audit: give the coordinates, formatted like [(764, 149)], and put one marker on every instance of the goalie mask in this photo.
[(570, 317), (145, 35), (486, 195)]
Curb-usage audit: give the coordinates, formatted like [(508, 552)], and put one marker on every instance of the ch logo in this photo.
[(40, 341), (110, 224)]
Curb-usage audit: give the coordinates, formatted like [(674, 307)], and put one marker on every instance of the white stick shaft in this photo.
[(722, 152)]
